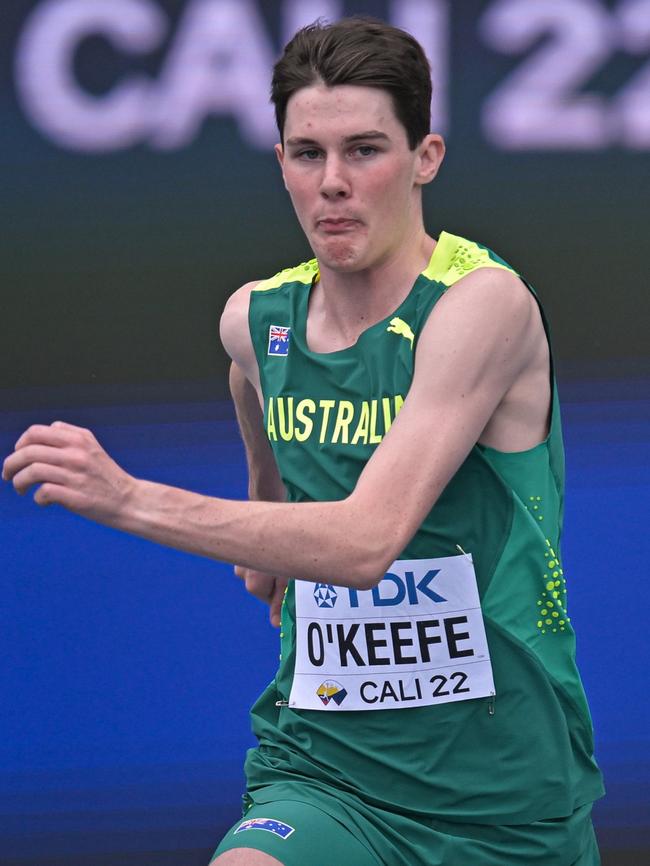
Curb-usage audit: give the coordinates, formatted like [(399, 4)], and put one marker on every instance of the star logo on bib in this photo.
[(325, 595)]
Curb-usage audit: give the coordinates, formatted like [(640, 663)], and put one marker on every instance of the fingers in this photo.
[(30, 454), (42, 443), (267, 588), (63, 425), (57, 494), (38, 473), (275, 612), (259, 584), (73, 469), (56, 435)]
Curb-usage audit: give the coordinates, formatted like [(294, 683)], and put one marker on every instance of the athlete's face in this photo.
[(353, 180)]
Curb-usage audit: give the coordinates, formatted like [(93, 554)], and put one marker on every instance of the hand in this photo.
[(72, 470), (265, 587)]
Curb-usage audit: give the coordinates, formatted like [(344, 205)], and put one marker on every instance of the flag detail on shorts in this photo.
[(268, 824), (279, 337)]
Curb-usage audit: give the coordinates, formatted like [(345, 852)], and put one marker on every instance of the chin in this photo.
[(340, 255)]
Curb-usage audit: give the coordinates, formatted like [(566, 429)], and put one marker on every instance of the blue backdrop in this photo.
[(129, 668)]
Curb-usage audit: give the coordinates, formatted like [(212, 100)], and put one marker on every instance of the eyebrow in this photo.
[(369, 135)]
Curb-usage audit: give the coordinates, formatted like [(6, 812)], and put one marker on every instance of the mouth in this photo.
[(336, 225)]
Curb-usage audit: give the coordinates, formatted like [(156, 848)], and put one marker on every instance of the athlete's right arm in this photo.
[(475, 346), (264, 482)]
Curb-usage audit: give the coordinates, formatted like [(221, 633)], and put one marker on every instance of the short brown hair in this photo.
[(363, 51)]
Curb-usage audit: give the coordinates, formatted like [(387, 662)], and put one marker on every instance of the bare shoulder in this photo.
[(496, 288), (234, 331), (484, 348), (480, 337), (489, 308)]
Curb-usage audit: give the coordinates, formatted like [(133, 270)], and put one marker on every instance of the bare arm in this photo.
[(264, 483), (472, 351), (264, 480)]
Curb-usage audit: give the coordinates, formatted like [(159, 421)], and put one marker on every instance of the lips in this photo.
[(336, 224)]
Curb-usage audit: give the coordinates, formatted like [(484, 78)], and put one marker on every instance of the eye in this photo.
[(365, 150), (309, 154)]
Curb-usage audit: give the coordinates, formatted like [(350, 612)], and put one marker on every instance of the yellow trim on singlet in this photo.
[(454, 257), (303, 273)]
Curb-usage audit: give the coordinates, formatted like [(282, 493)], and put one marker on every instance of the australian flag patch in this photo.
[(279, 338), (268, 824)]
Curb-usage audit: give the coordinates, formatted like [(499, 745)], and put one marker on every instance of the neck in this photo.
[(350, 302)]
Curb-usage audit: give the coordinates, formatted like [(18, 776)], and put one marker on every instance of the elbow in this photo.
[(377, 544), (369, 563), (363, 578)]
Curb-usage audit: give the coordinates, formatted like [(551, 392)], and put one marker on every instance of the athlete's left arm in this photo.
[(473, 349)]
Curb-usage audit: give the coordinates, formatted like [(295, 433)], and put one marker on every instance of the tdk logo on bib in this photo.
[(395, 590)]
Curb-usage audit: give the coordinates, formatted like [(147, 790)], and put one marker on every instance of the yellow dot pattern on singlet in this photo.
[(551, 614), (304, 273), (466, 258), (284, 599)]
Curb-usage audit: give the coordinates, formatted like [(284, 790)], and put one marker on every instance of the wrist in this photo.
[(135, 503)]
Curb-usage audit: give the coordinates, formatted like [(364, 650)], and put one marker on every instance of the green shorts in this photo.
[(298, 832), (295, 834)]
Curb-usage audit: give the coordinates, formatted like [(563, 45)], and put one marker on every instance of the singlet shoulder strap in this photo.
[(303, 273), (455, 257)]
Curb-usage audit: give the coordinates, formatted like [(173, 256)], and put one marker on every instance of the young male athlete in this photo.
[(427, 709)]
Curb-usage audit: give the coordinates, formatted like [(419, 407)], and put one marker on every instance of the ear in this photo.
[(279, 152), (431, 152)]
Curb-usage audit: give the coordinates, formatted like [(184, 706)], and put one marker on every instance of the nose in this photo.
[(334, 179)]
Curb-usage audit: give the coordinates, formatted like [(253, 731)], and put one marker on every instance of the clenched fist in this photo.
[(72, 470), (265, 587)]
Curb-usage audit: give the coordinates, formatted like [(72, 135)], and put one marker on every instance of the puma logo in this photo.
[(399, 326)]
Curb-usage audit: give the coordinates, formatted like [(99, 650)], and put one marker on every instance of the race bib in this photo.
[(414, 640)]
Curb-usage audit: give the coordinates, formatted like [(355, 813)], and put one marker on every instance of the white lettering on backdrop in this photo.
[(218, 63), (220, 54)]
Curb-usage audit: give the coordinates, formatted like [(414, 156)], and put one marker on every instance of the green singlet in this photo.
[(390, 724)]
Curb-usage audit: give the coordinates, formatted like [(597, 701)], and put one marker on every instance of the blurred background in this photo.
[(139, 189)]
